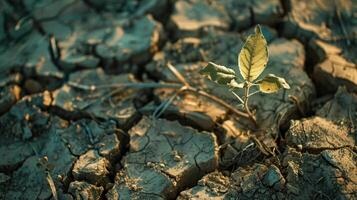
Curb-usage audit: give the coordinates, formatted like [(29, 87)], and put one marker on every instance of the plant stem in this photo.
[(251, 94), (246, 107), (187, 87), (238, 97), (218, 100)]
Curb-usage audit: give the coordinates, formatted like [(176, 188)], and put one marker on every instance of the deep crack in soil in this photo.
[(86, 98)]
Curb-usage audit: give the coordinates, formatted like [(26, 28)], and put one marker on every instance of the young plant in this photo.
[(252, 61)]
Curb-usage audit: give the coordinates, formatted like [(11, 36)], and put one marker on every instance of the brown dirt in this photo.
[(80, 120)]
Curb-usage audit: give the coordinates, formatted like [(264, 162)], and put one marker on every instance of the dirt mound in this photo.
[(104, 100)]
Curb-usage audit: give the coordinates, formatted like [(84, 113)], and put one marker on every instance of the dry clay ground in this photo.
[(89, 109)]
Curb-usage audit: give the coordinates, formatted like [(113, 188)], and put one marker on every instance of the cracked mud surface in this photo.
[(90, 110)]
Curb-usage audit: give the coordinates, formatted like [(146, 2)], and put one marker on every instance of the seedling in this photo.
[(252, 61)]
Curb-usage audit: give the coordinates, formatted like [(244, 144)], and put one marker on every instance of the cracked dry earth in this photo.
[(80, 120)]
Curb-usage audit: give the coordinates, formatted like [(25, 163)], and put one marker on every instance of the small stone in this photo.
[(47, 99), (84, 190), (274, 178), (177, 157), (92, 168), (109, 147)]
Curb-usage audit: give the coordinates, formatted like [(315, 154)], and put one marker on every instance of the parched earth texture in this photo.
[(89, 109)]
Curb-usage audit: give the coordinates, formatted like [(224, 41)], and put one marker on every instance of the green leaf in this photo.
[(253, 57), (218, 73), (272, 83)]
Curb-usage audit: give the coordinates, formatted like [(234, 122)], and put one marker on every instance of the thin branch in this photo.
[(163, 106), (219, 101), (253, 93), (177, 74), (103, 98), (262, 147), (159, 85), (52, 185), (238, 97), (118, 85)]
